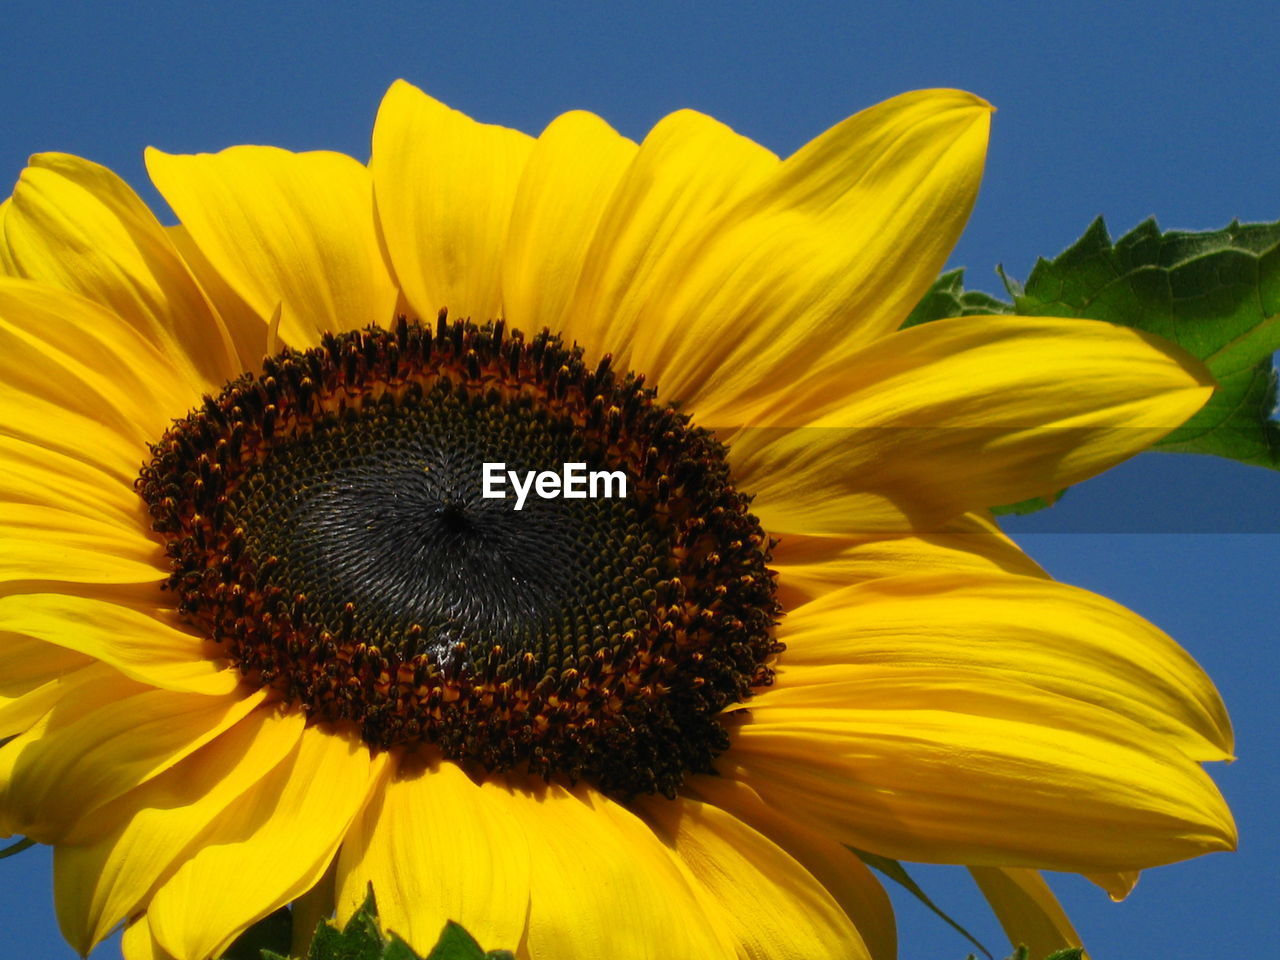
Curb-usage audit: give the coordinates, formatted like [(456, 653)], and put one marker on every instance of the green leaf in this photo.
[(896, 872), (1215, 293), (948, 298)]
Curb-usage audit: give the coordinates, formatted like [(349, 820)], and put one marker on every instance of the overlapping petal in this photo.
[(809, 567), (294, 230), (774, 908), (142, 837), (1027, 909), (138, 943), (81, 380), (603, 885), (268, 846), (27, 663), (35, 475), (950, 766), (437, 847), (1030, 629), (246, 327), (34, 676), (55, 546), (76, 225), (572, 172), (845, 877), (445, 188), (89, 749), (139, 645), (828, 252), (686, 168), (959, 415)]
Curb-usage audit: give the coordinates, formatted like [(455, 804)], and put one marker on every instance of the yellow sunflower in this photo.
[(263, 640)]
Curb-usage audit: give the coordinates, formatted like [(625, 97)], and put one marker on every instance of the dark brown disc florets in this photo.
[(326, 527)]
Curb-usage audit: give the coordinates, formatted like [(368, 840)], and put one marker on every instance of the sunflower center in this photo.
[(384, 509), (331, 527)]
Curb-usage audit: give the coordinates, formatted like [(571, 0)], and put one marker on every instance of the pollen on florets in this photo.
[(326, 528)]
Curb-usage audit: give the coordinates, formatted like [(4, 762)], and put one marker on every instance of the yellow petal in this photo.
[(46, 423), (809, 567), (76, 225), (311, 909), (1027, 909), (137, 943), (152, 829), (962, 414), (438, 847), (137, 644), (1118, 884), (248, 330), (59, 349), (295, 229), (949, 766), (27, 663), (572, 172), (827, 254), (90, 749), (21, 712), (36, 475), (270, 845), (1030, 629), (41, 543), (774, 907), (687, 167), (603, 885), (7, 265), (445, 187), (27, 703), (840, 872)]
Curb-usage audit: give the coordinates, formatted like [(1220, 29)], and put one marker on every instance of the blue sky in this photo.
[(1127, 110)]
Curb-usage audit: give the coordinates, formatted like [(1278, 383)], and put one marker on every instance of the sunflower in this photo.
[(262, 640)]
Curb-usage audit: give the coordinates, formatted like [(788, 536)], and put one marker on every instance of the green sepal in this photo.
[(1018, 954), (896, 872), (1070, 953), (25, 843), (362, 939), (456, 944), (1023, 507)]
